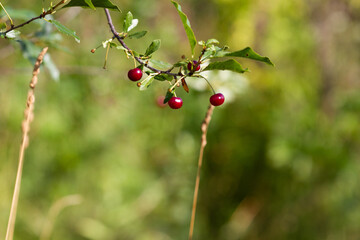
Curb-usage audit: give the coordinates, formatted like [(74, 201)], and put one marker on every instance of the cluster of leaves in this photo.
[(175, 74), (30, 44), (45, 35)]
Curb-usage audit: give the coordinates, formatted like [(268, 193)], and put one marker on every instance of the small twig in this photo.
[(121, 41), (204, 128), (29, 115), (42, 15)]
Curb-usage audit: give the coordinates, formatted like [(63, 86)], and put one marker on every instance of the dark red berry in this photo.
[(191, 66), (217, 99), (175, 102), (135, 74)]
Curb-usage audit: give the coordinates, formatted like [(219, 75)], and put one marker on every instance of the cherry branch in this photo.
[(121, 41), (42, 15)]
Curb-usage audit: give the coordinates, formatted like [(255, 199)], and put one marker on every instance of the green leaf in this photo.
[(96, 4), (215, 51), (230, 65), (211, 42), (168, 96), (113, 45), (127, 21), (134, 23), (160, 64), (249, 53), (164, 77), (136, 54), (65, 30), (208, 53), (181, 64), (187, 26), (137, 35), (146, 82), (91, 5), (121, 48), (154, 46), (30, 51)]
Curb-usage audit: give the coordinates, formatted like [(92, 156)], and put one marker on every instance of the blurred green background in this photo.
[(282, 160)]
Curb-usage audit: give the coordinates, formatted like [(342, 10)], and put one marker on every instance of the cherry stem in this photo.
[(121, 41), (207, 82), (176, 83), (42, 15), (106, 56)]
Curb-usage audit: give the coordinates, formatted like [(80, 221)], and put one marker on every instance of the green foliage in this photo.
[(186, 23), (140, 157), (153, 47), (30, 51), (146, 82), (160, 64), (230, 65), (64, 29), (137, 34), (168, 96), (92, 4), (249, 53), (128, 21), (163, 77)]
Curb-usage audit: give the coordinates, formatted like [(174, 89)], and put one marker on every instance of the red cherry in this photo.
[(192, 65), (175, 102), (135, 74), (217, 99)]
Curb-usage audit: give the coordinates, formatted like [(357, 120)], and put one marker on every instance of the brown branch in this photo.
[(121, 41), (29, 116), (204, 128), (42, 15)]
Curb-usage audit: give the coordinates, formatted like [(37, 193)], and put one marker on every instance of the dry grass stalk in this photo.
[(29, 116), (204, 128)]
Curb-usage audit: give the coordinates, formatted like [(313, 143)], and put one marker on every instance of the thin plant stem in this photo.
[(204, 129), (106, 55), (7, 14), (29, 115), (176, 83), (121, 41), (42, 15), (207, 81)]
